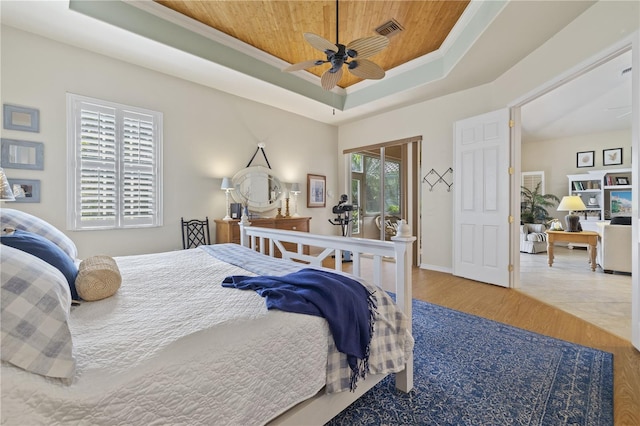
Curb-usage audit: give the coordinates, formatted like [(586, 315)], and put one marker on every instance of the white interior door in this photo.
[(481, 198)]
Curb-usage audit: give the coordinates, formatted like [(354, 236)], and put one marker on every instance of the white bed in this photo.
[(173, 346)]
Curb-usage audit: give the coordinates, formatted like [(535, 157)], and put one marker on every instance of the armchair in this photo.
[(533, 238), (614, 247)]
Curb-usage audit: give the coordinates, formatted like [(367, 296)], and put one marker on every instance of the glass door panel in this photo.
[(376, 188)]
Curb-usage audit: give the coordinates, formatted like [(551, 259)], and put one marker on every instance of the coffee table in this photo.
[(585, 237)]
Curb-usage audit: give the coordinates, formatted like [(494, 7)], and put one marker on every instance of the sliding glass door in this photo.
[(376, 190)]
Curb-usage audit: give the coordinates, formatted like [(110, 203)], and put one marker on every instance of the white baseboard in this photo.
[(436, 268)]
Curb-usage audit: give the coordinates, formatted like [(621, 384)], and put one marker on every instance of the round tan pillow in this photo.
[(98, 278)]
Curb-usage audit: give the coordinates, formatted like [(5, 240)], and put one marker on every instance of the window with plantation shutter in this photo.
[(115, 163), (530, 180)]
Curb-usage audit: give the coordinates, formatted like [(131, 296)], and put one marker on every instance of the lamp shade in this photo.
[(571, 203), (226, 184), (295, 188), (5, 189)]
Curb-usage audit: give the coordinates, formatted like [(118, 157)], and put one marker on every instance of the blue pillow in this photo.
[(46, 250)]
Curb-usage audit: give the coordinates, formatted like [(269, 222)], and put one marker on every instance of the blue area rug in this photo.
[(473, 371)]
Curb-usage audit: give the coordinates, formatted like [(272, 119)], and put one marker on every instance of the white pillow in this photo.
[(16, 219), (34, 319)]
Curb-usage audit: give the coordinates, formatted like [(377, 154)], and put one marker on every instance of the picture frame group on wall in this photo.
[(612, 157), (21, 154), (585, 159), (316, 191)]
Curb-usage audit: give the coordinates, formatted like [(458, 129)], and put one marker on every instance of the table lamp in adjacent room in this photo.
[(227, 186), (5, 189), (571, 204)]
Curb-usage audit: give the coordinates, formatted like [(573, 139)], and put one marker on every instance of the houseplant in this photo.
[(534, 205)]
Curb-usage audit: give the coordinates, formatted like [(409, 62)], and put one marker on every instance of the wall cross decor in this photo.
[(433, 178)]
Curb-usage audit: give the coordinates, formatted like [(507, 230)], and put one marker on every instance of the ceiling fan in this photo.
[(353, 55)]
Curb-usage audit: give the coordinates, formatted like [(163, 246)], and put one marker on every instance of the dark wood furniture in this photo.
[(228, 231)]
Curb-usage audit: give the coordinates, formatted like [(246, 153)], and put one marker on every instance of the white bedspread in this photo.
[(174, 344), (175, 347)]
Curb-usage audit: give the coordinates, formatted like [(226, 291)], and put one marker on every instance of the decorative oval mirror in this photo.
[(257, 187)]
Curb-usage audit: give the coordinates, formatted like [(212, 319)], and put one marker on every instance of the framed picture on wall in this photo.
[(25, 190), (611, 157), (585, 159), (20, 118), (22, 154), (316, 191)]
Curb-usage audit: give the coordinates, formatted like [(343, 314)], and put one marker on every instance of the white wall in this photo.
[(601, 26), (207, 135), (557, 158)]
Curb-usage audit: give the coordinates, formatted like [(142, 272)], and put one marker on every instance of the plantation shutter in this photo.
[(115, 166), (139, 186), (530, 180)]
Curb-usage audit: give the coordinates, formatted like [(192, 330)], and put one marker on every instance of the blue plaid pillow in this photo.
[(35, 311), (10, 218)]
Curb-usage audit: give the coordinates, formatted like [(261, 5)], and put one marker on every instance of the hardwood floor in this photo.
[(518, 309)]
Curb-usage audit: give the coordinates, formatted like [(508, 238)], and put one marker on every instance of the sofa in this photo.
[(614, 245), (533, 238)]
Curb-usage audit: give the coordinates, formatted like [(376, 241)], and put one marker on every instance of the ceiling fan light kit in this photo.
[(353, 55)]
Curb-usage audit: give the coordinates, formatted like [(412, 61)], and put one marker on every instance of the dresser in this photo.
[(228, 231)]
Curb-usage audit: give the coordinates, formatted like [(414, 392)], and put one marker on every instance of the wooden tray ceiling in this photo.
[(276, 26)]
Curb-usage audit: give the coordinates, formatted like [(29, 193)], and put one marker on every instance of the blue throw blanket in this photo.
[(348, 307)]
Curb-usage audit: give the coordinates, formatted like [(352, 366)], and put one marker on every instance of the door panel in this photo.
[(481, 199)]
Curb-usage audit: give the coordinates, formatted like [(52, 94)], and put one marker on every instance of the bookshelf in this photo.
[(598, 188)]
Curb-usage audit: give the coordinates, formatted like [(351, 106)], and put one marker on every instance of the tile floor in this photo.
[(570, 285)]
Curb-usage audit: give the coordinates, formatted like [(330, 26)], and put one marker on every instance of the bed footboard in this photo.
[(314, 249)]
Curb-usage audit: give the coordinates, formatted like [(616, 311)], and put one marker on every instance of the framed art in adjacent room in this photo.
[(585, 159), (611, 157), (620, 203), (25, 190), (316, 191), (17, 154), (622, 181), (21, 118)]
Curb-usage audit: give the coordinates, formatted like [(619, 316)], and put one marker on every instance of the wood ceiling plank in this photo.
[(277, 26)]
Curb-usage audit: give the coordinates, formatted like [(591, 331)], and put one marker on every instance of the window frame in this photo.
[(122, 113)]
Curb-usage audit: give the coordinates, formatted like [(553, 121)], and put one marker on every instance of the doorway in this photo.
[(595, 101), (383, 182)]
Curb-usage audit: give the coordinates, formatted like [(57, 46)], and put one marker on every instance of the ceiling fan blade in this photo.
[(330, 79), (320, 43), (364, 68), (301, 65), (368, 46)]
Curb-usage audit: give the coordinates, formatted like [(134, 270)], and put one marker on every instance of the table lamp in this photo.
[(295, 190), (571, 203), (227, 186)]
